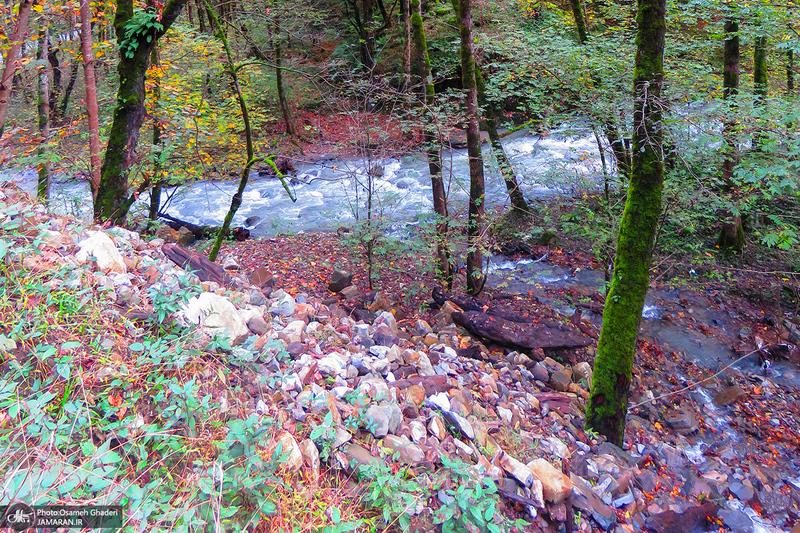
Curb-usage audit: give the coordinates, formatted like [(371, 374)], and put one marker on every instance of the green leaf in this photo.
[(71, 345), (336, 516)]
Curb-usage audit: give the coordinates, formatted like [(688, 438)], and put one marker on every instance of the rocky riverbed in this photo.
[(418, 391)]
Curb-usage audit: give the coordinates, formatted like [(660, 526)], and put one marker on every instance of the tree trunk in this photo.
[(112, 202), (55, 85), (580, 21), (789, 72), (731, 236), (155, 191), (475, 279), (405, 8), (608, 400), (287, 116), (367, 33), (431, 145), (43, 186), (760, 67), (73, 77), (7, 80), (518, 202), (91, 95)]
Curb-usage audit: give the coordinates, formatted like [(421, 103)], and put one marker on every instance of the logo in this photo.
[(18, 516)]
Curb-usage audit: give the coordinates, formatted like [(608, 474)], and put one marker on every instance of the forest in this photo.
[(361, 265)]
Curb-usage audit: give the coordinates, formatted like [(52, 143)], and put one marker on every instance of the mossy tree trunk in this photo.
[(43, 185), (92, 110), (55, 86), (432, 146), (731, 235), (10, 69), (405, 12), (608, 400), (112, 200), (580, 21), (477, 192), (518, 202)]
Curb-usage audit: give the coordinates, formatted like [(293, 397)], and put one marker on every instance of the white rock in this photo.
[(419, 433), (229, 263), (330, 366), (440, 400), (294, 331), (289, 450), (425, 366), (216, 315), (102, 248)]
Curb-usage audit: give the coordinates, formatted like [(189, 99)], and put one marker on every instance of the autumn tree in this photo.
[(608, 400), (92, 111), (137, 33), (17, 38)]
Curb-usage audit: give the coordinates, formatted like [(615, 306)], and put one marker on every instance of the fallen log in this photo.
[(520, 336), (203, 232), (204, 269)]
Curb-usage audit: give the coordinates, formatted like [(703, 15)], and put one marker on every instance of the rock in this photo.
[(560, 381), (349, 292), (383, 419), (459, 423), (741, 491), (582, 371), (419, 433), (330, 366), (540, 372), (683, 422), (689, 520), (436, 427), (385, 336), (439, 401), (425, 367), (415, 394), (310, 458), (382, 302), (230, 263), (257, 325), (355, 455), (285, 306), (216, 315), (289, 451), (584, 498), (167, 234), (408, 452), (728, 395), (736, 520), (514, 468), (341, 436), (386, 318), (556, 485), (261, 277), (339, 280), (421, 328), (185, 236), (293, 332), (105, 253)]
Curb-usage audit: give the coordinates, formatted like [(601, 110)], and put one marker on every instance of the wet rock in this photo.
[(728, 395), (383, 419), (407, 451), (540, 372), (587, 501), (339, 280), (741, 491), (689, 520), (682, 421), (736, 520), (261, 277), (216, 315), (773, 501), (556, 485), (105, 253)]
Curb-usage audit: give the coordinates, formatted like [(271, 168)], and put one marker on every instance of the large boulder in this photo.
[(339, 280), (216, 315), (105, 253), (555, 485)]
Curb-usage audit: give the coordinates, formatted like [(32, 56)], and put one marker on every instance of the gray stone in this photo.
[(736, 520), (459, 423), (349, 292), (407, 451), (383, 419), (103, 250), (388, 319), (540, 372), (216, 315), (257, 298), (560, 381), (339, 280), (581, 371), (257, 325), (587, 501), (285, 306), (422, 328)]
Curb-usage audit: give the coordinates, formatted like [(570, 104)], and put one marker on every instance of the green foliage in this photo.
[(143, 25)]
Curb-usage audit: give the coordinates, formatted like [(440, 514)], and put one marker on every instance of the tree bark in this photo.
[(518, 202), (475, 278), (43, 185), (760, 67), (91, 95), (284, 103), (405, 8), (789, 72), (608, 400), (580, 21), (7, 80), (731, 236), (112, 202), (432, 147), (73, 77), (55, 85)]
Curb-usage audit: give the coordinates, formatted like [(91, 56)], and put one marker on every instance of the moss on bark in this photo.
[(608, 400)]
